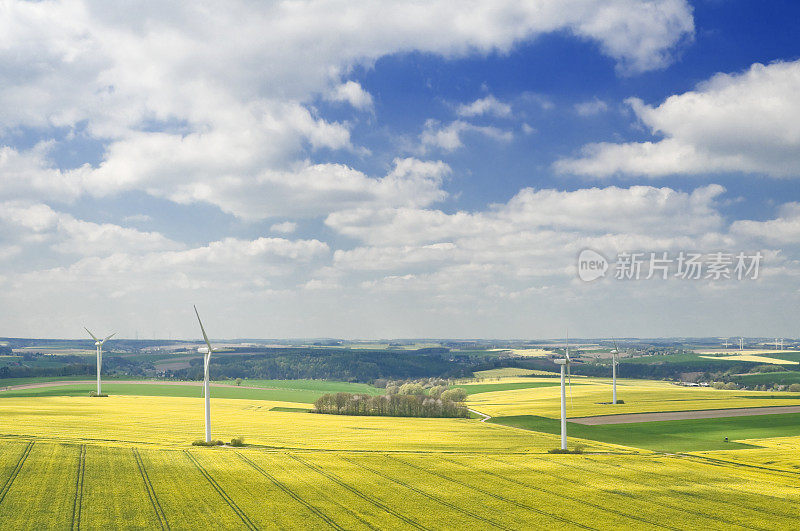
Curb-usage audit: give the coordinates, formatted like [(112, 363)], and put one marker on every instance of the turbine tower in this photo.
[(741, 343), (565, 362), (99, 344), (614, 362), (207, 351)]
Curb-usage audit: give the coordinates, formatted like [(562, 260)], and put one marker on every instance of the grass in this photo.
[(306, 391), (281, 395), (671, 435)]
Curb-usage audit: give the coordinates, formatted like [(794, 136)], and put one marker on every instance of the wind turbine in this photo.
[(565, 362), (207, 351), (726, 344), (614, 354), (99, 344), (741, 343)]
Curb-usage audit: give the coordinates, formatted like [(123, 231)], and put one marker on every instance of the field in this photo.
[(124, 461), (277, 390), (783, 377), (640, 396)]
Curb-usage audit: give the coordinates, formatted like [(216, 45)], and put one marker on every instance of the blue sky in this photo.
[(395, 169)]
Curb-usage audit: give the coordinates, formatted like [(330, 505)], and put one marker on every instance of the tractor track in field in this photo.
[(14, 473), (674, 492), (491, 494), (625, 494), (151, 493), (731, 464), (316, 511), (743, 506), (428, 496), (357, 492), (232, 504), (722, 488), (76, 505), (564, 496)]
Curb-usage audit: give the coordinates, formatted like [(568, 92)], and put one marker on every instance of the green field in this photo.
[(473, 389), (782, 377), (161, 389), (671, 435)]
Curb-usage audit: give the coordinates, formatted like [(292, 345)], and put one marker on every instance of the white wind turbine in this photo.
[(207, 351), (99, 344), (565, 362), (614, 362)]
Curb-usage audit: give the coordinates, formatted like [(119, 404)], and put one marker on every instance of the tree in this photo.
[(238, 381), (454, 395), (795, 388), (411, 389)]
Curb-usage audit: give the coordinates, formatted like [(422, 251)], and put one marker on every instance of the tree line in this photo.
[(389, 406)]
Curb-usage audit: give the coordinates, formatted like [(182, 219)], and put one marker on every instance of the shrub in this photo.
[(576, 450), (201, 442), (454, 395), (795, 388), (730, 386), (237, 441), (95, 394), (620, 401), (718, 385)]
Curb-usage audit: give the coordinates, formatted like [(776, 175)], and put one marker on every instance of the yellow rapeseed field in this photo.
[(639, 396), (127, 463)]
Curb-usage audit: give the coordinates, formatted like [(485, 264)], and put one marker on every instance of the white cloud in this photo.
[(182, 94), (591, 108), (448, 137), (286, 227), (352, 93), (485, 106), (747, 122), (785, 229), (38, 223)]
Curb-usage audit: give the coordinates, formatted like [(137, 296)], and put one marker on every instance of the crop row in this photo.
[(99, 486)]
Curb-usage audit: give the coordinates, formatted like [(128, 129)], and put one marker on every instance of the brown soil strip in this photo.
[(684, 415)]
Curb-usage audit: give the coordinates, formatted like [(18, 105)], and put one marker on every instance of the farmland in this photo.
[(125, 461)]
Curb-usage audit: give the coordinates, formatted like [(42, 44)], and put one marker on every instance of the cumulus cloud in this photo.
[(204, 91), (449, 137), (744, 122), (38, 223), (485, 106), (785, 229), (352, 93)]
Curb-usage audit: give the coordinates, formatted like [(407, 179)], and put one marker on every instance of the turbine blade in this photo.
[(109, 337), (91, 334), (205, 337)]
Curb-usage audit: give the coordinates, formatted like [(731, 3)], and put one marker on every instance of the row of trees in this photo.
[(388, 406)]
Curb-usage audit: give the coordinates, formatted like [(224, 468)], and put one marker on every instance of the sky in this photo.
[(433, 169)]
